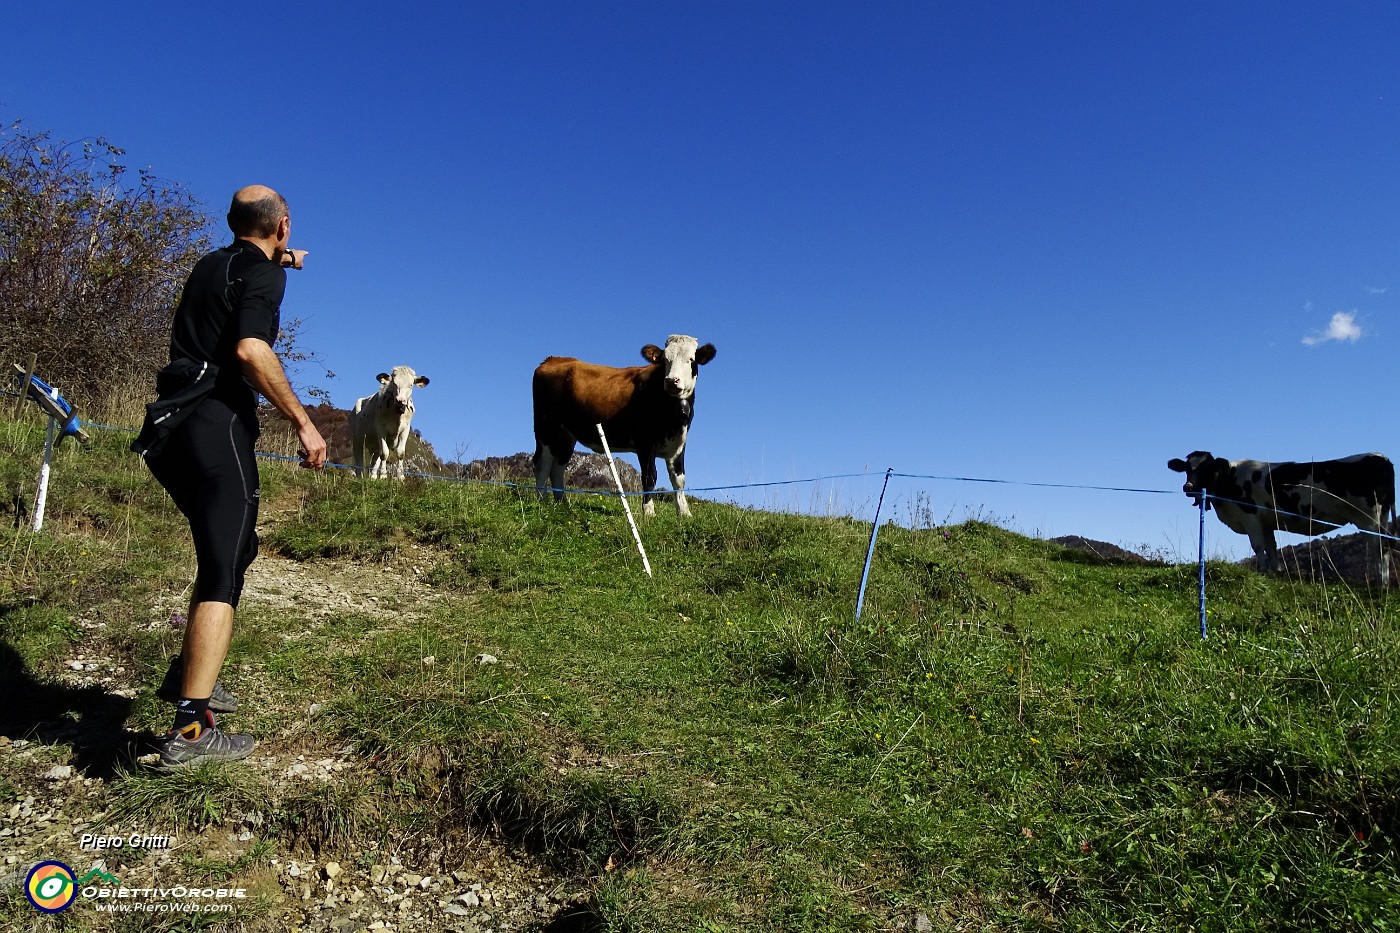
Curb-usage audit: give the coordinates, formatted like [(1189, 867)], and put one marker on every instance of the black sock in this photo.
[(189, 711)]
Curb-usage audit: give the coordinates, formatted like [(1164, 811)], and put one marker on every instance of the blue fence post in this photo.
[(870, 551), (1201, 567)]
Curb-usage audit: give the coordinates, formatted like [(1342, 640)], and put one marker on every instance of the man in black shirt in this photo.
[(198, 441)]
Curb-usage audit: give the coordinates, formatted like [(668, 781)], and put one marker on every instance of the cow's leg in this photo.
[(399, 451), (357, 442), (1256, 543), (1380, 566), (1378, 560), (675, 468), (544, 460), (1382, 560), (1265, 550), (556, 475), (554, 448), (550, 462), (647, 461), (380, 468)]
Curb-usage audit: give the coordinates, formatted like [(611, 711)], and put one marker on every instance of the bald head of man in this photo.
[(256, 212)]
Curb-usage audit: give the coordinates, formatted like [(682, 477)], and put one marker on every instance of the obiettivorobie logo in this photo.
[(51, 886)]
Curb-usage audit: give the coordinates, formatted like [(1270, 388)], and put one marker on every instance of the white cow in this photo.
[(381, 421)]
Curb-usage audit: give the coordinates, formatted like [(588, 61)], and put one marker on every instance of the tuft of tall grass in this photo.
[(196, 797)]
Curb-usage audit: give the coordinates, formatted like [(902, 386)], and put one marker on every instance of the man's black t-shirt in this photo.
[(233, 293)]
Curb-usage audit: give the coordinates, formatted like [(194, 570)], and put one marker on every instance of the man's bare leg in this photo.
[(193, 738), (207, 636)]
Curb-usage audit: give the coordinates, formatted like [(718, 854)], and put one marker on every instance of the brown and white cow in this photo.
[(380, 423), (645, 410), (1256, 498)]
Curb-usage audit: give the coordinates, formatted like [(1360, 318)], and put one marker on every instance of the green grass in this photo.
[(1012, 738)]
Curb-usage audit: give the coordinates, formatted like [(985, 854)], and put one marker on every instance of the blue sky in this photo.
[(1028, 241)]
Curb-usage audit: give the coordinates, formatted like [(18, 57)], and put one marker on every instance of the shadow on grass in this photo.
[(88, 719)]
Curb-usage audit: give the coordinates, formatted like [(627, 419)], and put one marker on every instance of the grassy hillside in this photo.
[(1014, 737)]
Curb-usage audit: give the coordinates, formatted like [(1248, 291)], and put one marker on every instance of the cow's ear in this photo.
[(383, 379), (652, 353), (1177, 464), (421, 381), (705, 354)]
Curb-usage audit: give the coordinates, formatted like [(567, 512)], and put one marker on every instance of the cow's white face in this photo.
[(397, 387), (680, 363)]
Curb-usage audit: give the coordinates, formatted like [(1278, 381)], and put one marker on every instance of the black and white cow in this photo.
[(1256, 498), (643, 409)]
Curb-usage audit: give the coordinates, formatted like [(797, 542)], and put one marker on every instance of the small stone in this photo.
[(487, 659), (59, 773), (332, 869)]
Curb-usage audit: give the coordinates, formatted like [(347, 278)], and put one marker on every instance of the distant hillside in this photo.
[(1343, 557), (1108, 553), (586, 471)]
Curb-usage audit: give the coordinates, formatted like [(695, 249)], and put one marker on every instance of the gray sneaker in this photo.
[(178, 751), (220, 701)]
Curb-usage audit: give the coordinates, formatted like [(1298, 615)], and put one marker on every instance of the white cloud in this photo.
[(1377, 291), (1342, 327)]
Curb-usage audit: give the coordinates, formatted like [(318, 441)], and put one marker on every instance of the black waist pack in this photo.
[(179, 388)]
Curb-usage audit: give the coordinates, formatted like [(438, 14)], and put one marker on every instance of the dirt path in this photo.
[(53, 794)]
